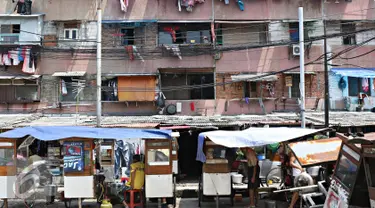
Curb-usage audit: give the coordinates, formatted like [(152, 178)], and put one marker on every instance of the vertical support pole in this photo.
[(302, 65), (99, 68), (326, 79)]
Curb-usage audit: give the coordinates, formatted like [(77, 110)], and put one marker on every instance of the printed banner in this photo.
[(74, 157), (73, 164)]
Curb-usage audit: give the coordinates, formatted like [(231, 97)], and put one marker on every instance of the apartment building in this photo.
[(157, 55)]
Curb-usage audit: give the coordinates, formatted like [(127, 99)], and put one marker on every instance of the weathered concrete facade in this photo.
[(262, 22)]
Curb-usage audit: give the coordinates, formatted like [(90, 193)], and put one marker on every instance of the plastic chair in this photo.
[(132, 202)]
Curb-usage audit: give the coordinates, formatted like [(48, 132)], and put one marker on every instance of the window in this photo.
[(346, 171), (71, 34), (184, 34), (10, 33), (158, 157), (358, 85), (6, 157), (127, 36), (250, 89), (187, 80), (19, 90), (348, 27), (235, 34), (296, 93), (68, 89), (293, 31)]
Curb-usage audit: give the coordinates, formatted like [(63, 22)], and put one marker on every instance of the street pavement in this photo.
[(181, 203)]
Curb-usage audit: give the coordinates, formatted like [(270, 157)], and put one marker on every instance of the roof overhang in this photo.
[(20, 77), (254, 77), (22, 16), (69, 74), (240, 22), (355, 72), (297, 72), (128, 75)]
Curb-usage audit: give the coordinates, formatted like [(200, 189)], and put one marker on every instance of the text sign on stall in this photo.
[(73, 159)]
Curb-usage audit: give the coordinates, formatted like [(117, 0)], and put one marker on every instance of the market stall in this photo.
[(353, 180), (78, 143), (220, 179), (7, 168)]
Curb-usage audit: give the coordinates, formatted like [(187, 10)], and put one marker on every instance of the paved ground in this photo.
[(181, 203)]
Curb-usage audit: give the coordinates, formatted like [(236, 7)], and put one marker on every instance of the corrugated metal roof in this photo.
[(316, 151)]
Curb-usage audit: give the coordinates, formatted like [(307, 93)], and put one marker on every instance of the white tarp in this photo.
[(251, 137)]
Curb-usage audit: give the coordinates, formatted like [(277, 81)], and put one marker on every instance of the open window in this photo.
[(19, 90), (194, 33), (10, 33), (127, 36), (359, 85), (186, 80), (348, 27), (294, 31), (250, 89)]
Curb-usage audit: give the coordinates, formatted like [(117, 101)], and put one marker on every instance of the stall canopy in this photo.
[(355, 72), (50, 133), (251, 137), (316, 152)]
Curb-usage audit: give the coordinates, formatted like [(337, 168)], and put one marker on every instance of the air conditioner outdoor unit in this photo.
[(296, 50)]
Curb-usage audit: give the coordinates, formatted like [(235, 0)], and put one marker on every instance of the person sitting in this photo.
[(136, 179)]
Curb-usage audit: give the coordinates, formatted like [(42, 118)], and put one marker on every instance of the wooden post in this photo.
[(5, 203), (79, 203)]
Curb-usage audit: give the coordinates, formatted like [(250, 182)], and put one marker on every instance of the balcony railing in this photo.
[(9, 38)]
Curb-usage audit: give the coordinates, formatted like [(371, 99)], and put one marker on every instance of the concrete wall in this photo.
[(31, 27)]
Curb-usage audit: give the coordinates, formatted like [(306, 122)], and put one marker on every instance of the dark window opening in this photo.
[(180, 86), (358, 85), (348, 27), (109, 90), (10, 29), (68, 89), (296, 93), (184, 34), (127, 36), (250, 89), (293, 31)]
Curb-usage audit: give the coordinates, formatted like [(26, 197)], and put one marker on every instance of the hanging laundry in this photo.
[(226, 1), (21, 54), (28, 65), (129, 49), (175, 50), (172, 32), (213, 32), (6, 59), (137, 54), (64, 90), (365, 85), (14, 57), (124, 5), (241, 5), (179, 4), (1, 59)]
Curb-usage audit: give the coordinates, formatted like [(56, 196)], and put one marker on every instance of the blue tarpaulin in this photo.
[(50, 133), (355, 72)]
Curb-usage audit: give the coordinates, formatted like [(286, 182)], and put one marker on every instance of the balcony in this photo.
[(9, 38)]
